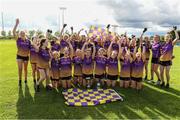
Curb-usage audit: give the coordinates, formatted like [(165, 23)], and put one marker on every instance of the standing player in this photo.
[(34, 60), (167, 55), (43, 63), (23, 49), (147, 53), (146, 43), (155, 58)]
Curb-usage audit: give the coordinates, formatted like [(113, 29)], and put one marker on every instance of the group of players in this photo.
[(78, 60)]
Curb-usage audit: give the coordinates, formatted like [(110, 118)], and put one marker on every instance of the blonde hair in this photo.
[(65, 35), (170, 35), (55, 54), (102, 49)]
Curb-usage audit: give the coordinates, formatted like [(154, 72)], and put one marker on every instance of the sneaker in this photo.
[(34, 81), (98, 84), (150, 81), (158, 82), (48, 88), (88, 86), (138, 90), (145, 77), (167, 85), (37, 88), (38, 79), (64, 89), (153, 82), (78, 85), (162, 84), (20, 83)]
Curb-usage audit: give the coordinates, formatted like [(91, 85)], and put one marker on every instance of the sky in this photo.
[(131, 15)]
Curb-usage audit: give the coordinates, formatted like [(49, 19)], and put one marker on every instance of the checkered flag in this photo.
[(100, 32), (90, 97)]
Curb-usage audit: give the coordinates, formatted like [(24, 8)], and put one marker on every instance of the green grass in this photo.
[(151, 102)]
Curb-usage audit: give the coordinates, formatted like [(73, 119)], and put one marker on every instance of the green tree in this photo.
[(9, 33), (151, 38), (31, 33), (162, 38), (39, 32), (3, 33), (57, 33), (17, 32)]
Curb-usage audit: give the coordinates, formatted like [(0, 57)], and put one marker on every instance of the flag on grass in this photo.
[(90, 97)]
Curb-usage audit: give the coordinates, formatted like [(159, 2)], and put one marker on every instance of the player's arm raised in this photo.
[(120, 50), (94, 50), (176, 34), (110, 49), (71, 48), (15, 28), (83, 48), (62, 30)]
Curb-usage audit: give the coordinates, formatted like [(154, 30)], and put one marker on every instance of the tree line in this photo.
[(31, 33)]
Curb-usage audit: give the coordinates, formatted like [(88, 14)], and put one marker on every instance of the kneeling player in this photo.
[(100, 66), (138, 69)]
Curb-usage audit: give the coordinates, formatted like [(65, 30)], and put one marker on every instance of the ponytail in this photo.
[(41, 43)]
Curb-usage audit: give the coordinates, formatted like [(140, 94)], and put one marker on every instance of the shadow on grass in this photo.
[(169, 90), (148, 103)]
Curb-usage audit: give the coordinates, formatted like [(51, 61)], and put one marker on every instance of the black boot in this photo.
[(34, 81), (20, 83), (25, 81), (162, 84), (167, 85), (48, 87), (145, 77), (37, 88)]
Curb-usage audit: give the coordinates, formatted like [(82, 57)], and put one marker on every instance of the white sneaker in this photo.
[(149, 81), (98, 84), (88, 86)]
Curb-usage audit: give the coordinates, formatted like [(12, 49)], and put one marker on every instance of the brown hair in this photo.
[(42, 41)]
